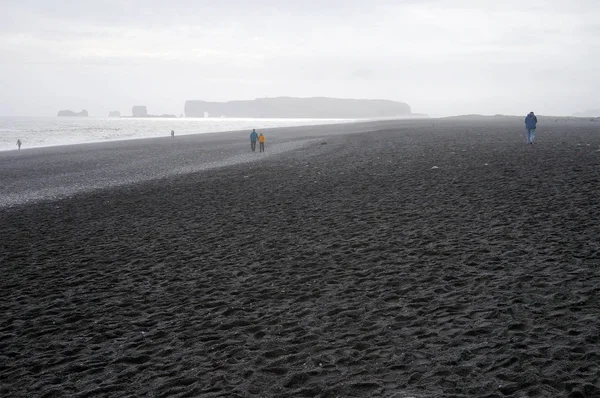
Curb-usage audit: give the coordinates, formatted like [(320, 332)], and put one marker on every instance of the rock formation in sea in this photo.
[(139, 111), (290, 107), (83, 113), (114, 114)]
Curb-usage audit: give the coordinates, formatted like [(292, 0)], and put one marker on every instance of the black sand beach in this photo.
[(344, 265)]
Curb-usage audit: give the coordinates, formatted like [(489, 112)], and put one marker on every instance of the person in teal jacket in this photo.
[(253, 139)]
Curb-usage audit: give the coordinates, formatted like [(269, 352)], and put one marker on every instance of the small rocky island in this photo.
[(83, 113)]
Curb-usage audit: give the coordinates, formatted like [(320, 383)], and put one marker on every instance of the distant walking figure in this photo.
[(261, 141), (172, 134), (253, 139), (530, 125), (19, 144)]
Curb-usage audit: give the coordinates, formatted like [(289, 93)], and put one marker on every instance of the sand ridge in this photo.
[(349, 269)]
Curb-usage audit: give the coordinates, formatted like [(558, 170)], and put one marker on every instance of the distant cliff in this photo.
[(83, 113), (139, 111), (114, 114), (288, 107)]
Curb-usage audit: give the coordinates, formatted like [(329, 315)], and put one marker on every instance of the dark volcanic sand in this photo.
[(347, 269)]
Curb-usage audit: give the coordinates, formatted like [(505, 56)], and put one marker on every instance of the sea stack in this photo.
[(139, 111)]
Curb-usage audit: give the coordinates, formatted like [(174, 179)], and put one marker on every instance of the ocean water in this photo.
[(49, 131)]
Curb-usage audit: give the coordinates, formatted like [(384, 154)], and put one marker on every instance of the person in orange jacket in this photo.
[(261, 142)]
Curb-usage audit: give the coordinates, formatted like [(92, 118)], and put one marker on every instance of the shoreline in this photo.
[(333, 122), (51, 173), (424, 119), (153, 137)]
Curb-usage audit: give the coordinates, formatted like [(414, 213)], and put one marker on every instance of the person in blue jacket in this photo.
[(530, 125), (253, 139)]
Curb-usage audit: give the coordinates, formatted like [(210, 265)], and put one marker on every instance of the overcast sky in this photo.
[(442, 57)]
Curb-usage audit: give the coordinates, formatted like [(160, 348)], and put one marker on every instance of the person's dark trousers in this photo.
[(262, 146), (253, 146)]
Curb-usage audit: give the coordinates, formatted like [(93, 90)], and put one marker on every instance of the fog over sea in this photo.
[(50, 131)]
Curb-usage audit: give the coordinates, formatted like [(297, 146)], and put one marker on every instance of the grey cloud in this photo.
[(438, 55)]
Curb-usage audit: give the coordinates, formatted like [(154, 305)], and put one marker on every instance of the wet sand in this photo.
[(345, 266)]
